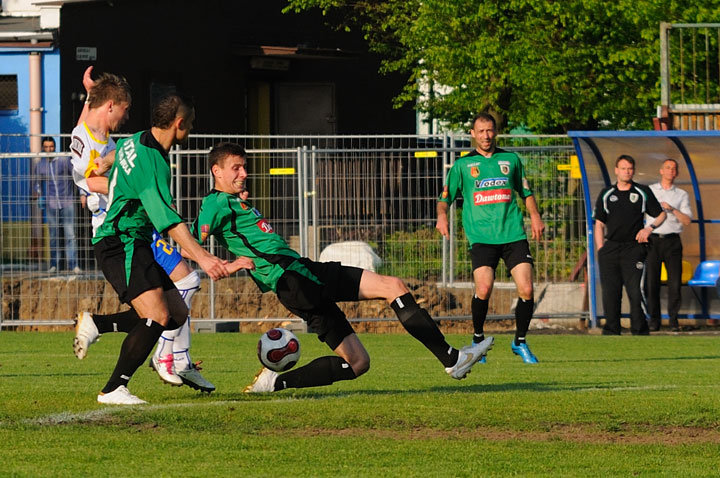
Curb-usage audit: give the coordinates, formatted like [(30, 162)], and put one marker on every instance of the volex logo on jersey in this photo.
[(127, 156), (492, 196), (490, 183)]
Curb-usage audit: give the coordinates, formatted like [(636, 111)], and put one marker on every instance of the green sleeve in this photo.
[(453, 184), (155, 195), (206, 222)]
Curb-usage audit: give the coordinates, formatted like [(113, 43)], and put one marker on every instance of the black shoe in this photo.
[(675, 329), (609, 332), (655, 328)]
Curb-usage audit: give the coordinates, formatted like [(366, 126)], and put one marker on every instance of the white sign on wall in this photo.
[(86, 53)]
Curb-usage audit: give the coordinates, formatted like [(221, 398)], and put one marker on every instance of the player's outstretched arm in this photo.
[(88, 83), (240, 263), (215, 268)]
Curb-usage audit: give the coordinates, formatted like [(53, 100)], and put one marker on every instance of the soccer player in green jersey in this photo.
[(139, 199), (489, 179), (311, 289)]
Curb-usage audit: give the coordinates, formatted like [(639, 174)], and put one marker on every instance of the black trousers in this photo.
[(667, 249), (622, 263)]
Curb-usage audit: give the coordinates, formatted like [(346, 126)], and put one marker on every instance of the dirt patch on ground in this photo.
[(638, 435)]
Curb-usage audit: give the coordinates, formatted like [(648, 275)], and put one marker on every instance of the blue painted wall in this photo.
[(16, 192)]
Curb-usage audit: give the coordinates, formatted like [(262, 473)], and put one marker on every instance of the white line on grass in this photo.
[(98, 415)]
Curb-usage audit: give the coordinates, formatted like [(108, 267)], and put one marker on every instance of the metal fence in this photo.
[(316, 191)]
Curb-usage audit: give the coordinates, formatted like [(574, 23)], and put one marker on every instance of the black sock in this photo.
[(479, 309), (420, 325), (523, 316), (135, 349), (319, 372), (119, 322)]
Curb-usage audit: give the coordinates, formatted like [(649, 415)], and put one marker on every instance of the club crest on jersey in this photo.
[(204, 232), (634, 197), (474, 171), (244, 206), (613, 198), (490, 182), (504, 167), (265, 226), (77, 146)]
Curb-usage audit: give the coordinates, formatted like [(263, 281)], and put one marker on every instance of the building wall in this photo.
[(204, 52)]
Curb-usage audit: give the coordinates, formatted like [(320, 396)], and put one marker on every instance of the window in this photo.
[(8, 92)]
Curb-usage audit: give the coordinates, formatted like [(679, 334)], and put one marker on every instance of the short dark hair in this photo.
[(169, 107), (625, 157), (487, 117), (222, 150), (109, 87), (48, 138), (671, 160)]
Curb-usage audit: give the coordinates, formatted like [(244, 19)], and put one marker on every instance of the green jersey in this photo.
[(242, 229), (489, 186), (139, 195)]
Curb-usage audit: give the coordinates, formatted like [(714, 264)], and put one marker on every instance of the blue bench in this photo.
[(706, 276)]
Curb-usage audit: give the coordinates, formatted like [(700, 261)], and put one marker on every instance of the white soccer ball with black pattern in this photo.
[(278, 349)]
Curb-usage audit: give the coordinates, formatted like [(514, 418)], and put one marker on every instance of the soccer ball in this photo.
[(278, 349)]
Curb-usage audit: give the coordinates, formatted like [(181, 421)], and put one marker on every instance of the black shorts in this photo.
[(316, 302), (145, 273), (512, 253)]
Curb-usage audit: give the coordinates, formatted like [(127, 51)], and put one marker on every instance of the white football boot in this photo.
[(264, 381), (86, 334), (192, 377), (469, 356), (165, 368), (119, 396)]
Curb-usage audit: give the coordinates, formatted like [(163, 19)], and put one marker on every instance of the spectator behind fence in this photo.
[(56, 195), (621, 238), (665, 246)]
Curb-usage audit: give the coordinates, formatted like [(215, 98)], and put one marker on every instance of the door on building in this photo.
[(304, 108)]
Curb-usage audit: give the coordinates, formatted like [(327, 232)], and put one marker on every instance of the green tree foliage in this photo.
[(547, 64)]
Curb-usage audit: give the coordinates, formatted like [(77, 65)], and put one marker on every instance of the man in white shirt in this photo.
[(665, 246)]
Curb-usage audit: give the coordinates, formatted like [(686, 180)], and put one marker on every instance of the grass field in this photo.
[(594, 406)]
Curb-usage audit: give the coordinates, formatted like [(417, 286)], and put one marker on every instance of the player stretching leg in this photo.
[(171, 359), (311, 289)]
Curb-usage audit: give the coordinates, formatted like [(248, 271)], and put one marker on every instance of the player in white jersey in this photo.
[(93, 152), (86, 149)]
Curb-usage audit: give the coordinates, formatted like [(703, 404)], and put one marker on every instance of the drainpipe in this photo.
[(36, 109), (37, 249)]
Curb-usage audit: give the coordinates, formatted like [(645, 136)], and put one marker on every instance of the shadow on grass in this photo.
[(638, 359)]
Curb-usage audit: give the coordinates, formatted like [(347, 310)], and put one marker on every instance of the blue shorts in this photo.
[(166, 255)]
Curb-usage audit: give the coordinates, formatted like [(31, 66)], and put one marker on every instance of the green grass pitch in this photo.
[(593, 406)]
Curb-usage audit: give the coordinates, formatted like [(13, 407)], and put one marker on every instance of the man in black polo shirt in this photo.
[(620, 238)]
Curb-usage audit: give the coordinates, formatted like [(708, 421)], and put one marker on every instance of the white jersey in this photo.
[(85, 149)]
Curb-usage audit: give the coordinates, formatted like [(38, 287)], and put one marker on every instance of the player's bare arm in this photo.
[(442, 219), (88, 84), (239, 264), (215, 268), (537, 226)]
